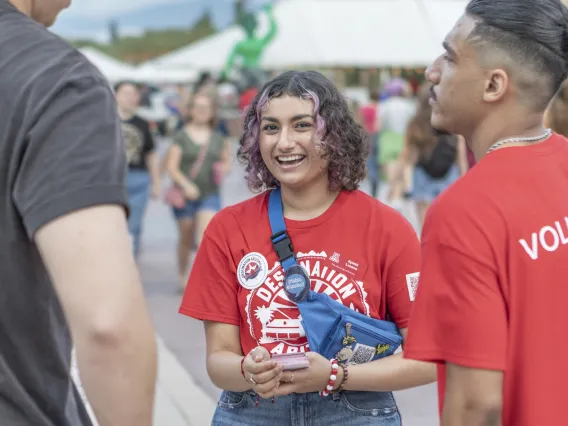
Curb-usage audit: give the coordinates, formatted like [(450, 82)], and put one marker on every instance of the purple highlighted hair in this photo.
[(344, 141)]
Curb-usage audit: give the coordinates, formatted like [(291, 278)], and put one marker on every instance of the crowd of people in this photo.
[(318, 300), (405, 155)]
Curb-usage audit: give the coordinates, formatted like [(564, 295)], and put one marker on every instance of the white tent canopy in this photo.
[(151, 74), (338, 33), (113, 69)]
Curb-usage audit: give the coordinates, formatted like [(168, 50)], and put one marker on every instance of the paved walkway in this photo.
[(179, 400)]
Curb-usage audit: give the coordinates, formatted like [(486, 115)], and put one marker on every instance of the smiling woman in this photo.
[(315, 123), (303, 145)]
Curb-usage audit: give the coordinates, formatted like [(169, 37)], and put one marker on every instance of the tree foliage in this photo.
[(152, 43)]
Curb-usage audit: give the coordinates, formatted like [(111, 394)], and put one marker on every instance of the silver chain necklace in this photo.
[(500, 143)]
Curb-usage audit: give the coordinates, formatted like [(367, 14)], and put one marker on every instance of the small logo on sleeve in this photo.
[(412, 284)]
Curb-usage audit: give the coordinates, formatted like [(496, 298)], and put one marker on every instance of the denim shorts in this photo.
[(346, 409), (211, 202), (426, 188)]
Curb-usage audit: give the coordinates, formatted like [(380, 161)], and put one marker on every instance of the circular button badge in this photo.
[(296, 284), (252, 270)]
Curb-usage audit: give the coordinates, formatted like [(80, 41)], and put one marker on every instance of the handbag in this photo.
[(333, 330), (174, 195)]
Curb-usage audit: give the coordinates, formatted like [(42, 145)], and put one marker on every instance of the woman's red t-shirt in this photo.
[(360, 252)]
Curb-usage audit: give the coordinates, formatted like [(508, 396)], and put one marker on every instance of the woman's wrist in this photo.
[(333, 377), (340, 377), (242, 369), (225, 372)]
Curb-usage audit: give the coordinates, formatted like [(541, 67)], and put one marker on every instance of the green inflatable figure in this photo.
[(251, 48)]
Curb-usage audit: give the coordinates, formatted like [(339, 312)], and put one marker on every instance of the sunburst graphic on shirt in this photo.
[(275, 322)]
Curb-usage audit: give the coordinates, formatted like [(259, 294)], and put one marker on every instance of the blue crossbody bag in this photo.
[(332, 329)]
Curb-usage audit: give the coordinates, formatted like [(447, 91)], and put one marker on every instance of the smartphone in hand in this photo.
[(295, 361)]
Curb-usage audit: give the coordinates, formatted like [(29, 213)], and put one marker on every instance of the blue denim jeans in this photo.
[(211, 203), (426, 188), (345, 409), (138, 187)]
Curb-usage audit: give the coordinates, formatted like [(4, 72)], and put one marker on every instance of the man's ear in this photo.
[(496, 85)]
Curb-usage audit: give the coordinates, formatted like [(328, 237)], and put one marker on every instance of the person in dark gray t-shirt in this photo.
[(66, 267)]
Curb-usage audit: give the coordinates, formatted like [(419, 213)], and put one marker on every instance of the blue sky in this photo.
[(89, 18)]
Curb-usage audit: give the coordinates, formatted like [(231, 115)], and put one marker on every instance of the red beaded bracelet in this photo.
[(332, 378)]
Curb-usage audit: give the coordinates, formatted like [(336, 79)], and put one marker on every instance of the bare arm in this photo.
[(173, 167), (224, 356), (226, 157), (390, 374), (153, 164), (97, 283), (474, 397)]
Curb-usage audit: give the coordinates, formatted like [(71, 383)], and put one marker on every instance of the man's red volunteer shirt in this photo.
[(359, 252), (494, 279)]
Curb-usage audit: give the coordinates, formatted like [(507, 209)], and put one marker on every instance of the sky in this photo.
[(107, 8), (89, 18)]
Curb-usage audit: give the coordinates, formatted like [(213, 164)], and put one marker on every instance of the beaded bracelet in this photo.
[(345, 378), (332, 378)]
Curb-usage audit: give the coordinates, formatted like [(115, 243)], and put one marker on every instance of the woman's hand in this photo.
[(312, 379), (264, 373), (191, 191)]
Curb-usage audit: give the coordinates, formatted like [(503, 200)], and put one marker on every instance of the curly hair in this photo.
[(345, 143)]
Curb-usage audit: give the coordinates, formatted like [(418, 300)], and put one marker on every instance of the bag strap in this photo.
[(280, 239), (199, 161)]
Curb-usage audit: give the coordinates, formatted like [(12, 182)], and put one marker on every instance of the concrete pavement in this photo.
[(179, 400)]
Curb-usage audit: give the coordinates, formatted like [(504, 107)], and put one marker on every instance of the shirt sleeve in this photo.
[(73, 156), (212, 290), (402, 274), (178, 140), (460, 313)]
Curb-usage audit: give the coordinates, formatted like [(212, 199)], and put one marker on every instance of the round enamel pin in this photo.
[(252, 270)]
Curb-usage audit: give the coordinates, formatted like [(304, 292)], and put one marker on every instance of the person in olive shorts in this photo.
[(198, 160)]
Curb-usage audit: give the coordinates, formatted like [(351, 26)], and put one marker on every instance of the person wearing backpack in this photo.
[(439, 160)]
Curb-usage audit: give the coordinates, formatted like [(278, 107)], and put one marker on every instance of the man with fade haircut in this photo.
[(66, 266), (491, 304)]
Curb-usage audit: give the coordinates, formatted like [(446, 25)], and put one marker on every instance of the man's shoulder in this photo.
[(459, 198), (472, 204), (36, 64)]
